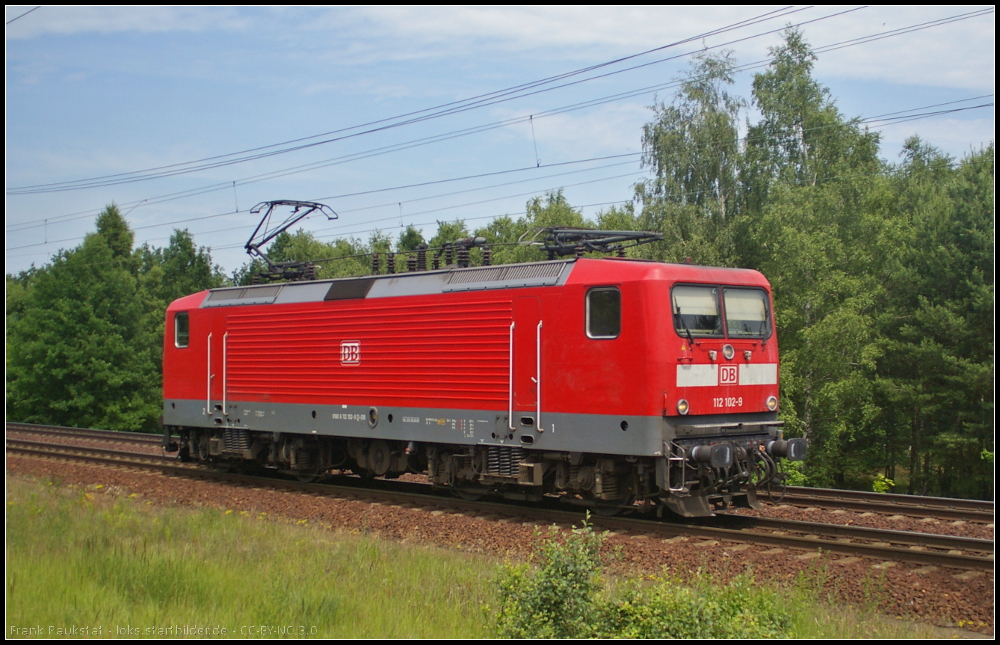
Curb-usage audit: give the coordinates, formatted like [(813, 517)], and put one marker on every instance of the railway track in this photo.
[(916, 548), (105, 456), (86, 433), (941, 508)]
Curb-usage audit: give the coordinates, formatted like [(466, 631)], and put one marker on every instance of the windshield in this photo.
[(696, 311), (747, 313)]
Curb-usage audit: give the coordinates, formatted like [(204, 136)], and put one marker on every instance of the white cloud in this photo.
[(105, 20), (959, 54), (541, 27)]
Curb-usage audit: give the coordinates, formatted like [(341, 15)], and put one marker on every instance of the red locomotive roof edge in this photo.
[(583, 271)]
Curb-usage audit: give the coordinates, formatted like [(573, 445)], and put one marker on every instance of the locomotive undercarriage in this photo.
[(696, 476)]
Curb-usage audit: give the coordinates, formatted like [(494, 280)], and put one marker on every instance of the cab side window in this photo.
[(182, 329), (604, 312)]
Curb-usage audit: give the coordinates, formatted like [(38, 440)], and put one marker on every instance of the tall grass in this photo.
[(93, 560), (80, 559)]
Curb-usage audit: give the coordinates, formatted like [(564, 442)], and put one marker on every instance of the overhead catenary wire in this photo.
[(217, 215), (285, 172), (81, 184), (90, 213), (110, 180), (23, 15), (863, 121), (485, 127), (818, 50), (877, 119), (445, 109), (467, 219)]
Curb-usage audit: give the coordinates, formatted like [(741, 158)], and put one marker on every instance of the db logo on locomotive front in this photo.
[(729, 375), (350, 352)]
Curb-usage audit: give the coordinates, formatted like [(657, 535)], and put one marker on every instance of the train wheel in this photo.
[(468, 496), (203, 454), (379, 457), (610, 509)]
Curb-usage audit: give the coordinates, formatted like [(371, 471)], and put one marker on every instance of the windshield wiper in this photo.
[(680, 319)]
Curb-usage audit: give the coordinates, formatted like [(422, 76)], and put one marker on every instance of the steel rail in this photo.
[(894, 498), (41, 447), (871, 504), (546, 515), (833, 531), (86, 433)]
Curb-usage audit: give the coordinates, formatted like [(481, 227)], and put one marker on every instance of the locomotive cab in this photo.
[(723, 437)]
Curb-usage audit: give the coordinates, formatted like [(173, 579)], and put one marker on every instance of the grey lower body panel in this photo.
[(606, 434)]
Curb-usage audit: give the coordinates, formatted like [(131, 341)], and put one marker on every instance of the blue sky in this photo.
[(94, 92)]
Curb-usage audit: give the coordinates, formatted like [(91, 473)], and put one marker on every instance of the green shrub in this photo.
[(794, 473), (882, 484), (671, 609), (556, 600), (564, 597)]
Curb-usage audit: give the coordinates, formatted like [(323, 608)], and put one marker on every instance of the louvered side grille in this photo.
[(424, 352), (503, 461), (504, 273)]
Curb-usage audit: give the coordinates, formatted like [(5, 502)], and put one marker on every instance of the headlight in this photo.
[(682, 406), (772, 403), (728, 352)]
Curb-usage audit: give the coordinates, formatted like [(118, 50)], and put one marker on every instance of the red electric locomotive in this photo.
[(605, 381)]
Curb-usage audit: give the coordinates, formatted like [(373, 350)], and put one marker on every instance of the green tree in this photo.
[(339, 258), (801, 138), (409, 239), (180, 269), (448, 232), (936, 371), (816, 221), (80, 353), (111, 226), (692, 146)]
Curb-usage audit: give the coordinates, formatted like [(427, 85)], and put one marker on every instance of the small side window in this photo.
[(604, 312), (182, 329)]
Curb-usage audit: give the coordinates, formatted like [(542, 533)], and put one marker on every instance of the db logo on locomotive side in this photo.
[(350, 352), (728, 375)]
